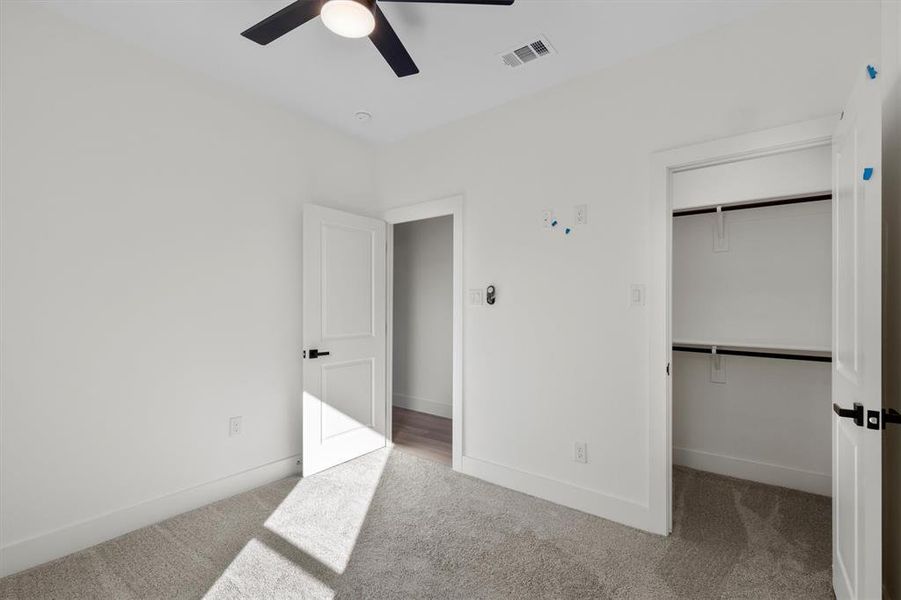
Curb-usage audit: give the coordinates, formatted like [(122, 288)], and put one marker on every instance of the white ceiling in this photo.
[(330, 78)]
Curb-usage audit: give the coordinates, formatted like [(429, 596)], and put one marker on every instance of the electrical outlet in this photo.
[(234, 426), (581, 452), (581, 216)]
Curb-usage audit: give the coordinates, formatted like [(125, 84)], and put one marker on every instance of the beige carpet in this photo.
[(391, 525)]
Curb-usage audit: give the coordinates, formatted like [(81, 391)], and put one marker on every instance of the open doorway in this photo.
[(745, 318), (751, 332), (422, 333), (751, 319), (424, 217)]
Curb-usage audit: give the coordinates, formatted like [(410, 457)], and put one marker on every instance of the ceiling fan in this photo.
[(352, 19)]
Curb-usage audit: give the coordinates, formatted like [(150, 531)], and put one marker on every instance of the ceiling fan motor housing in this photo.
[(349, 18)]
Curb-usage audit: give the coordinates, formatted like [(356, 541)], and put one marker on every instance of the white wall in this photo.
[(561, 357), (151, 283), (891, 359), (750, 426), (151, 258), (423, 315), (801, 172), (771, 289)]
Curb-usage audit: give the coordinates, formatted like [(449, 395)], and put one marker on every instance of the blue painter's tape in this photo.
[(867, 173), (568, 230), (871, 71)]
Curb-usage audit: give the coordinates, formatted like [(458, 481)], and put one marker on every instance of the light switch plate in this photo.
[(636, 294), (476, 298)]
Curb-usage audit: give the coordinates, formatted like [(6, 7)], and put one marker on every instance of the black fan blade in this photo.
[(488, 2), (391, 47), (291, 17)]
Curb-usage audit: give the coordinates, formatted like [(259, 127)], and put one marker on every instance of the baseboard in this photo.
[(21, 555), (422, 405), (608, 506), (797, 479)]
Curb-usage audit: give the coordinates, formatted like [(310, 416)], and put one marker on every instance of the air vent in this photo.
[(540, 48)]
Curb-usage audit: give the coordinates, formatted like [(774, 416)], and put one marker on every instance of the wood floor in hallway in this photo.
[(422, 434)]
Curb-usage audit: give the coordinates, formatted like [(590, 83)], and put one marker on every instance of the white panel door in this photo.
[(344, 409), (857, 348)]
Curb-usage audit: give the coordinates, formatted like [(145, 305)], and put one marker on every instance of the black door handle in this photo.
[(855, 413), (890, 415), (314, 353)]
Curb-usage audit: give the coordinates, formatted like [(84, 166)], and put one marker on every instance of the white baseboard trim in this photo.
[(30, 552), (797, 479), (431, 407), (586, 500)]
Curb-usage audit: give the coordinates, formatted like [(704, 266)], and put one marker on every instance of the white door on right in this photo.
[(857, 346)]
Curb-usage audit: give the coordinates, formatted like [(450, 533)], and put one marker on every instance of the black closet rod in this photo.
[(754, 353), (761, 204)]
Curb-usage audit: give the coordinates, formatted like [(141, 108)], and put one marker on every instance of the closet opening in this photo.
[(751, 311), (422, 334)]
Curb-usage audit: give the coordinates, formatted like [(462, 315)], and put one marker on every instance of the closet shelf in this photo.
[(685, 212), (757, 352)]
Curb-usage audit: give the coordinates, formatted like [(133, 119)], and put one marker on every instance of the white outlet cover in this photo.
[(234, 426), (580, 452)]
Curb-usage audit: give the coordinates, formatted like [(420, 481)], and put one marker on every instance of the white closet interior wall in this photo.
[(770, 420)]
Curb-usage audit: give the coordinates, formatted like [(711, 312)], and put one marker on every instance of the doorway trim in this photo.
[(452, 205), (664, 165)]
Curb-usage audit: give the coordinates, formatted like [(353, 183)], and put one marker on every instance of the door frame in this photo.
[(664, 165), (452, 205)]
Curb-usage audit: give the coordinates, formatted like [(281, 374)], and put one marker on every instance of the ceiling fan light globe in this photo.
[(348, 18)]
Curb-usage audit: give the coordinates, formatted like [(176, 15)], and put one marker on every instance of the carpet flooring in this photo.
[(392, 525)]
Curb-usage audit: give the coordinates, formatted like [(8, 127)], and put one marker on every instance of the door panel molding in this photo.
[(344, 315)]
